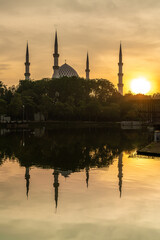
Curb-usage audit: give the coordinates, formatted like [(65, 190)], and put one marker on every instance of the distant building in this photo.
[(87, 67), (66, 70), (5, 119), (120, 74), (27, 65), (39, 117)]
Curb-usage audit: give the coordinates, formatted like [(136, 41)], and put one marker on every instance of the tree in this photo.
[(15, 107), (45, 106), (3, 106)]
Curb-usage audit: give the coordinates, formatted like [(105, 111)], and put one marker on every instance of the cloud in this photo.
[(23, 229), (4, 66)]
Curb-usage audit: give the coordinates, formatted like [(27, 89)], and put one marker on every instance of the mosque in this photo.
[(68, 71)]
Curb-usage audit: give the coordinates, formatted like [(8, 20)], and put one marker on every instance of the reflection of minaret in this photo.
[(56, 185), (87, 176), (120, 74), (27, 177), (120, 172), (56, 57), (27, 64), (87, 67)]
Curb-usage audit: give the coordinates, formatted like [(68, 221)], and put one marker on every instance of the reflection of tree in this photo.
[(68, 149)]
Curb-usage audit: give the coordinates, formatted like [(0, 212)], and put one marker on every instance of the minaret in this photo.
[(120, 172), (87, 67), (120, 74), (27, 64), (27, 177), (56, 185), (56, 56)]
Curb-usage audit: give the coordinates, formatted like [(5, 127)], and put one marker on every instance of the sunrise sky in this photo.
[(96, 26)]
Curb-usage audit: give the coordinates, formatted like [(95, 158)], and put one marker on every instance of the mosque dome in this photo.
[(67, 71)]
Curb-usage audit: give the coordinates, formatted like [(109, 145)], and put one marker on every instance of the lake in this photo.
[(78, 184)]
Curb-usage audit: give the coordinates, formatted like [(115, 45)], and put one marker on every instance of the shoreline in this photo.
[(68, 124), (72, 124)]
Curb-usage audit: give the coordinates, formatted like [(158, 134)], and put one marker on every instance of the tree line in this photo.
[(68, 99)]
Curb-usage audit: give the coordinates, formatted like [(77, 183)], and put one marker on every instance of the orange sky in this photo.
[(96, 26)]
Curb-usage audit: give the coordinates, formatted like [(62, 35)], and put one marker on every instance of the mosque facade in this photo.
[(67, 71)]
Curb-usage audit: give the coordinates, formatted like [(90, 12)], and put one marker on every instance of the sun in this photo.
[(140, 85)]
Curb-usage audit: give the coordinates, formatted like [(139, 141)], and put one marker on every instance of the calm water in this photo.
[(78, 184)]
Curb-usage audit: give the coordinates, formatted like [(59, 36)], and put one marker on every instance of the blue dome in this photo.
[(67, 71)]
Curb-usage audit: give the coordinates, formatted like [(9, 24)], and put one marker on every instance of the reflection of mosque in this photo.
[(56, 185), (27, 177), (66, 174), (120, 172)]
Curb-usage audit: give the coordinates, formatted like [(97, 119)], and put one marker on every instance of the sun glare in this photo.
[(140, 85)]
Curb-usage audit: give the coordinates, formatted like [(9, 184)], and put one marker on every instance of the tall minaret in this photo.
[(87, 67), (120, 74), (27, 64), (56, 56)]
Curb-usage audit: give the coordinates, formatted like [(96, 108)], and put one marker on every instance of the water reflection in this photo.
[(56, 186), (67, 151), (120, 172), (85, 177), (67, 173), (27, 177)]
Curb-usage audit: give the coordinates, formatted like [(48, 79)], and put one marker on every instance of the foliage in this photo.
[(68, 99)]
